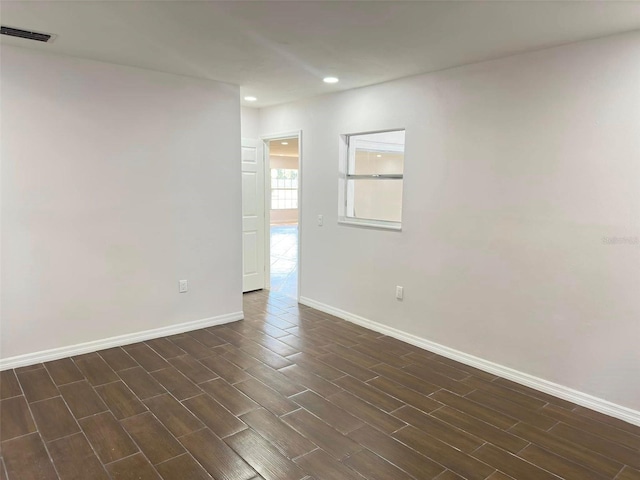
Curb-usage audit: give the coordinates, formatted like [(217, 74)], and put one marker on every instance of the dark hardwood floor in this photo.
[(292, 393)]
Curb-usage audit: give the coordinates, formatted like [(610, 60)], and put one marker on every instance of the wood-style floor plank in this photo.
[(165, 348), (121, 400), (146, 357), (597, 443), (108, 438), (141, 383), (322, 466), (558, 465), (504, 405), (173, 415), (222, 422), (225, 369), (628, 473), (37, 384), (294, 393), (216, 456), (135, 467), (53, 418), (152, 437), (609, 432), (63, 371), (276, 380), (190, 345), (82, 399), (574, 452), (279, 434), (9, 385), (369, 394), (26, 459), (310, 380), (373, 467), (404, 394), (323, 435), (117, 358), (443, 431), (229, 397), (264, 458), (397, 453), (330, 413), (266, 396), (480, 429), (192, 369), (96, 370), (511, 464), (366, 412), (74, 459), (444, 454), (176, 383), (182, 467), (481, 412), (15, 418)]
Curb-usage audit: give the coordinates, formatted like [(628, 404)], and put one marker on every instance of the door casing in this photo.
[(267, 202)]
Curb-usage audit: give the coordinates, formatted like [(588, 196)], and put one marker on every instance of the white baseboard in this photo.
[(560, 391), (80, 348)]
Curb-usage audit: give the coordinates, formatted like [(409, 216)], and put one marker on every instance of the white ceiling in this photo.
[(276, 147), (279, 51)]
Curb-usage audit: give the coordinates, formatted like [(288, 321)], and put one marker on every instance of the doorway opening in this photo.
[(283, 187)]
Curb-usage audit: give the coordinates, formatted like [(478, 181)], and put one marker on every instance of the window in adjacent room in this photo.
[(284, 188), (371, 179)]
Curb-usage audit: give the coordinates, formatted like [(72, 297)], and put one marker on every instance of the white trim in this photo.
[(360, 222), (80, 348), (373, 146), (265, 139), (580, 398), (347, 155)]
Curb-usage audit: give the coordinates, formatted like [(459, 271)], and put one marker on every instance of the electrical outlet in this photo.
[(320, 220), (399, 292), (183, 286)]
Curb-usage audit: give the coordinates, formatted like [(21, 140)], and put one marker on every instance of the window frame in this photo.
[(347, 158)]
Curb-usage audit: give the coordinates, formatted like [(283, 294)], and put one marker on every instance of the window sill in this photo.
[(377, 224)]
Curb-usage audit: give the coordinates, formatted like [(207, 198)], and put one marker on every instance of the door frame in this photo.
[(265, 139)]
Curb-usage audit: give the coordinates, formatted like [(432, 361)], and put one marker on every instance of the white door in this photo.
[(253, 266)]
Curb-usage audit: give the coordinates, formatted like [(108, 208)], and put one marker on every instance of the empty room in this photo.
[(296, 240)]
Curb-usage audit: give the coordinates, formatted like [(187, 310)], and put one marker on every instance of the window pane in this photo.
[(284, 185), (283, 199), (375, 199), (376, 153), (368, 162), (275, 201)]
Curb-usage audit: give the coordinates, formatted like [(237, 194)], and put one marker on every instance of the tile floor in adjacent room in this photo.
[(284, 260), (292, 393)]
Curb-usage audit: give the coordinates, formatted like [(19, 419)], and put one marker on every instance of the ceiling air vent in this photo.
[(17, 32)]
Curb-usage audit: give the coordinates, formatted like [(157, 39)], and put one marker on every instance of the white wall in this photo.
[(515, 170), (284, 216), (279, 161), (116, 183), (250, 121)]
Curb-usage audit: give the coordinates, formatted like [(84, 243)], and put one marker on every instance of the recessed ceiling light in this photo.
[(379, 156), (250, 99), (284, 143), (330, 79)]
